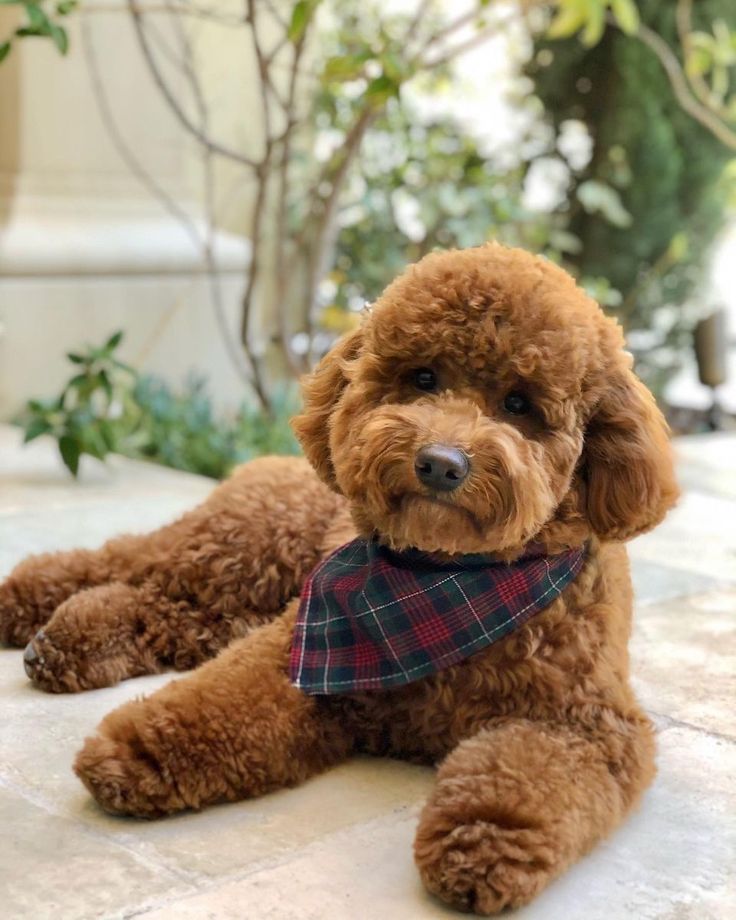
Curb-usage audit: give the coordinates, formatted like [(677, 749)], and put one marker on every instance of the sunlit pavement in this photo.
[(340, 847)]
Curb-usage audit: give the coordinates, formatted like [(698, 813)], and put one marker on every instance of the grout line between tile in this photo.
[(672, 722), (405, 813), (143, 858)]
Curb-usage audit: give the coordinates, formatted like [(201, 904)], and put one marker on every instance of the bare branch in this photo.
[(255, 264), (415, 21), (205, 245), (172, 101), (265, 78), (480, 38), (183, 9), (249, 371), (281, 211), (322, 236), (683, 18), (125, 152), (446, 31), (678, 81), (271, 7)]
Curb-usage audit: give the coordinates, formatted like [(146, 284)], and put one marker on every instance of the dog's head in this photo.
[(486, 402)]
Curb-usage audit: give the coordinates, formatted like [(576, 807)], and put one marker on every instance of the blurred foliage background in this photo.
[(621, 166)]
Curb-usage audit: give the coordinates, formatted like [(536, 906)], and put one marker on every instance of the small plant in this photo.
[(181, 430), (42, 20), (107, 407), (87, 417)]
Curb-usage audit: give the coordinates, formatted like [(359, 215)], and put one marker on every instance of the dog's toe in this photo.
[(31, 658), (48, 667), (34, 660)]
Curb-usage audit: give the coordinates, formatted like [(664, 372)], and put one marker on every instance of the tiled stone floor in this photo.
[(340, 847)]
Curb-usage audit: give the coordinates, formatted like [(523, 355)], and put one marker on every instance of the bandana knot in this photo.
[(371, 618)]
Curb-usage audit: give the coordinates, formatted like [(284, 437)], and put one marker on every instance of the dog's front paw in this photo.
[(482, 866), (89, 642), (125, 772), (56, 663)]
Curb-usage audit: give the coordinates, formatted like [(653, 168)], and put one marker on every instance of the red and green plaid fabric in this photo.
[(371, 618)]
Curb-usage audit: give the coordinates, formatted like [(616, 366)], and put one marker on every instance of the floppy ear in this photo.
[(628, 461), (321, 390)]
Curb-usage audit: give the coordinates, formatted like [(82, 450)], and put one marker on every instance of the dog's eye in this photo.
[(517, 404), (425, 379)]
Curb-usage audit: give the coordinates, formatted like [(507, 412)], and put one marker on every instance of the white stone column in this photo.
[(84, 248)]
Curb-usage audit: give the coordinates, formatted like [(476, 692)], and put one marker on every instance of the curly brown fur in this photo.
[(178, 596), (543, 746)]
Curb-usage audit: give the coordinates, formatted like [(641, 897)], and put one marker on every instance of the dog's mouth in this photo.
[(434, 500)]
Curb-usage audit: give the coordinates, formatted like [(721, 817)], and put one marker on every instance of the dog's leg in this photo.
[(234, 729), (515, 805), (36, 587), (175, 596), (106, 634)]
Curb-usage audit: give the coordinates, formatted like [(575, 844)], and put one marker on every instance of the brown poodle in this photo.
[(512, 377)]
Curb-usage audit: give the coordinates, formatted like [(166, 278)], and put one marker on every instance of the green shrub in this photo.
[(106, 407)]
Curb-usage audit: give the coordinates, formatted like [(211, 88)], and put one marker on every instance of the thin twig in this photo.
[(281, 210), (480, 38), (172, 101), (185, 9), (683, 18), (248, 370), (271, 7), (124, 150), (415, 21), (322, 236), (256, 223), (449, 29), (680, 86)]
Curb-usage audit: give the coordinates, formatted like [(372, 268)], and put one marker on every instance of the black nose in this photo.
[(441, 467)]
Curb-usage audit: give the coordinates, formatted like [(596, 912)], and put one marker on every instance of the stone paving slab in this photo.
[(684, 661), (707, 463), (340, 846), (672, 860), (52, 867), (698, 536)]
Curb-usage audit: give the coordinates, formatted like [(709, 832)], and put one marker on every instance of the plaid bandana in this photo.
[(371, 618)]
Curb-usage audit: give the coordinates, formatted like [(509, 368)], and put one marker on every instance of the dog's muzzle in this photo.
[(440, 467)]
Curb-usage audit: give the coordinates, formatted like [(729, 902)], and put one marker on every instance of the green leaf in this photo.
[(393, 66), (35, 429), (598, 198), (104, 382), (569, 20), (679, 246), (4, 50), (345, 66), (124, 367), (94, 443), (381, 89), (77, 382), (300, 16), (37, 18), (595, 26), (115, 339), (59, 37), (626, 15), (698, 62), (107, 433), (70, 451), (75, 358), (66, 7)]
